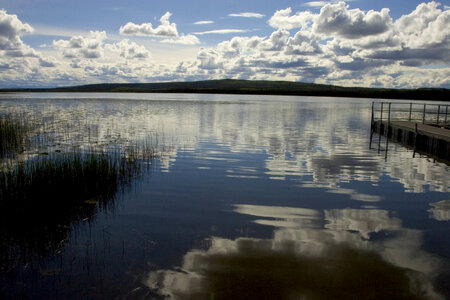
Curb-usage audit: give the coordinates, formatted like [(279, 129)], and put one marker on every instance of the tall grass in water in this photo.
[(13, 134), (41, 198)]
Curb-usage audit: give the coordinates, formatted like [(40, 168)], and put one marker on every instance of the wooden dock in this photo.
[(431, 138)]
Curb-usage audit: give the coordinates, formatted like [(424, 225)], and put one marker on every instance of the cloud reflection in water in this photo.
[(440, 211), (304, 260)]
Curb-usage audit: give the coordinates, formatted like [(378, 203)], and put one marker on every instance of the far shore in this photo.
[(251, 87)]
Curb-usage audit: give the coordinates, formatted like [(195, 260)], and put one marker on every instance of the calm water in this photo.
[(251, 197)]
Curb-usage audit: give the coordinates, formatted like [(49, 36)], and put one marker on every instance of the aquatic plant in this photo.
[(13, 134), (56, 171), (42, 198)]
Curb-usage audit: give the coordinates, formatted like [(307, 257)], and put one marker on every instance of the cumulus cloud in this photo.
[(416, 39), (284, 19), (89, 47), (303, 43), (129, 50), (165, 29), (209, 59), (47, 62), (335, 20), (351, 23), (247, 15), (426, 26), (11, 28), (333, 45), (276, 41)]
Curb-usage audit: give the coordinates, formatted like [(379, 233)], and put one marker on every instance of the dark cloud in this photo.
[(413, 55), (46, 63), (359, 64)]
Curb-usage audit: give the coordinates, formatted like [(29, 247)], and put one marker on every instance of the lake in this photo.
[(248, 197)]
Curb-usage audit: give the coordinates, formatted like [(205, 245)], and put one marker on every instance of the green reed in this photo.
[(43, 197), (13, 134), (49, 181)]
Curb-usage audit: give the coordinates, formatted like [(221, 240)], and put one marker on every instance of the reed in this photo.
[(64, 175), (42, 198), (13, 134)]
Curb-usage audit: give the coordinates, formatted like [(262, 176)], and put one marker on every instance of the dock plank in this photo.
[(424, 129)]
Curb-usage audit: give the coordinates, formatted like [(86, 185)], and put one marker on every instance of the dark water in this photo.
[(251, 197)]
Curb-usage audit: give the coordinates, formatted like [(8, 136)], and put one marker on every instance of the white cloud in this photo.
[(210, 59), (276, 42), (322, 3), (335, 45), (315, 3), (247, 15), (203, 22), (425, 26), (165, 29), (189, 39), (11, 28), (283, 19), (221, 31), (351, 23), (47, 62), (89, 47), (335, 20), (129, 50)]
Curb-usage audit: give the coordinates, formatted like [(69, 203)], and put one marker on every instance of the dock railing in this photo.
[(427, 113)]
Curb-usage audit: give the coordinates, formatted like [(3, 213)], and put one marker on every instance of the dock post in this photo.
[(371, 117), (439, 111), (410, 111), (372, 127), (424, 111), (446, 113), (387, 131), (373, 104), (381, 124), (415, 139)]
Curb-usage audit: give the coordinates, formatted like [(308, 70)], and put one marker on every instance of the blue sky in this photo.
[(381, 43)]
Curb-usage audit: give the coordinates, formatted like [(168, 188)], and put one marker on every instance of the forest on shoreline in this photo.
[(254, 87)]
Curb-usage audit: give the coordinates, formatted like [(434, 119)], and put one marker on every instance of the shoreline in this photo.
[(249, 87)]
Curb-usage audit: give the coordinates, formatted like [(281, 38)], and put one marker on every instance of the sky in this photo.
[(393, 44)]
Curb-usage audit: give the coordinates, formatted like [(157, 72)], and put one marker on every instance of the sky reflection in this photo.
[(262, 188), (300, 136), (341, 260)]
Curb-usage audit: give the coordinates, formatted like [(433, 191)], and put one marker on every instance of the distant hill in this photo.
[(258, 87)]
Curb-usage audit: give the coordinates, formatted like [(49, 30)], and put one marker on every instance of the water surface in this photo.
[(251, 197)]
